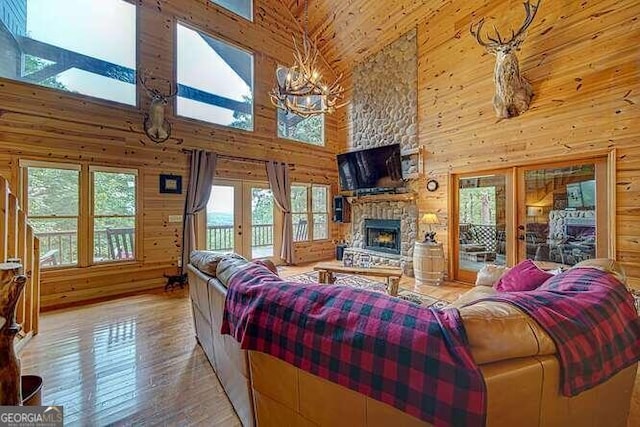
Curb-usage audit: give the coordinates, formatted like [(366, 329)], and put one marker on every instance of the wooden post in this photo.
[(11, 285)]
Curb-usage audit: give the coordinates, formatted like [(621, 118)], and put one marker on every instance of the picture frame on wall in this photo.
[(170, 184)]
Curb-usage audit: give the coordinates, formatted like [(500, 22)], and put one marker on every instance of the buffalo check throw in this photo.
[(413, 358), (590, 316)]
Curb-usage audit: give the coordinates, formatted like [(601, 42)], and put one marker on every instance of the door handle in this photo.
[(521, 237)]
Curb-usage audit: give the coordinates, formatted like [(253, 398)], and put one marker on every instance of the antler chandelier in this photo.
[(300, 89)]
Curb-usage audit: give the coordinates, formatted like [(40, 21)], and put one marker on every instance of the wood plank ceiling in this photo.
[(348, 31)]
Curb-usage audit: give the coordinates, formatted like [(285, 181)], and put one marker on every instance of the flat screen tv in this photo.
[(373, 168)]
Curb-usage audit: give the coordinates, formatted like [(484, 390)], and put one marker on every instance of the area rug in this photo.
[(372, 285)]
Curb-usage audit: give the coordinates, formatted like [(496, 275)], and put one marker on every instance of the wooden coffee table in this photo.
[(393, 275)]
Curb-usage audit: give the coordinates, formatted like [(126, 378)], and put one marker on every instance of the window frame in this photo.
[(310, 212), (96, 99), (325, 212), (24, 166), (92, 215), (85, 246), (232, 43)]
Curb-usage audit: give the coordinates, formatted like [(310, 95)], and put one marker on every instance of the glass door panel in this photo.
[(481, 223), (222, 224), (559, 211), (261, 222)]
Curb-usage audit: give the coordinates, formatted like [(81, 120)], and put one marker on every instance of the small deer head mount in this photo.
[(513, 92), (157, 128)]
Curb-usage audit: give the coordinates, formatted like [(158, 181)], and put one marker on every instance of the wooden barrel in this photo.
[(428, 263)]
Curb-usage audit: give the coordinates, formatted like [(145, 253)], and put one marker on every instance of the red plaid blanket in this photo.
[(415, 359), (591, 317)]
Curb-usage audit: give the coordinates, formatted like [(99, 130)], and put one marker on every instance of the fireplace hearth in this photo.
[(382, 235)]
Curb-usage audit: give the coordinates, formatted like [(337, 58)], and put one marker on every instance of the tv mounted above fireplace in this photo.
[(377, 168)]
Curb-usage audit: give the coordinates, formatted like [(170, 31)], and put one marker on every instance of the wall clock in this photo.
[(432, 185)]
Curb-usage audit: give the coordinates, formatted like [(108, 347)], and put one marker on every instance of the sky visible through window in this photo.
[(201, 67), (103, 29)]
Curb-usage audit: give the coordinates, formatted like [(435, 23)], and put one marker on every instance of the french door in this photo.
[(240, 217), (555, 214)]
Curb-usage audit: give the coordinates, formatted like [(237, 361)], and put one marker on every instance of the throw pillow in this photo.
[(525, 276)]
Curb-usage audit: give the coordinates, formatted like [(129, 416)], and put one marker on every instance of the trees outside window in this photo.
[(320, 203), (309, 130), (74, 216), (53, 209), (114, 215), (310, 211), (300, 212)]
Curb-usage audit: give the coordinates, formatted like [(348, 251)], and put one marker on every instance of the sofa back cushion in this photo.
[(525, 276), (605, 264), (207, 261), (499, 331)]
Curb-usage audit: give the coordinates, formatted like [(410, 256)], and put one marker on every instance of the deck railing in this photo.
[(220, 237), (63, 247), (64, 244)]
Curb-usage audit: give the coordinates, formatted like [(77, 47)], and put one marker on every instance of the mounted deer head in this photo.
[(513, 92), (157, 128)]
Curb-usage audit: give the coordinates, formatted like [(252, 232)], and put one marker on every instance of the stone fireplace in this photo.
[(382, 114), (382, 235), (392, 220)]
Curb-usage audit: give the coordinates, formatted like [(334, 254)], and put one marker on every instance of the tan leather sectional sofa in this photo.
[(516, 356)]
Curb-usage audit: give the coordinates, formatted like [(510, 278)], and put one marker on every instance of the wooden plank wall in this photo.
[(582, 59), (44, 124), (17, 242)]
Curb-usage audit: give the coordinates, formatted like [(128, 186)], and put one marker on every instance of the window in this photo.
[(239, 7), (57, 196), (300, 212), (320, 204), (303, 129), (81, 46), (114, 214), (310, 212), (215, 80), (53, 206), (309, 129)]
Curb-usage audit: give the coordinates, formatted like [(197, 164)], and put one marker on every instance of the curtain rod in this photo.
[(238, 158)]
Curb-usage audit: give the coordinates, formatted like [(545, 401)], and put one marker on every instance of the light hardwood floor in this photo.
[(135, 361)]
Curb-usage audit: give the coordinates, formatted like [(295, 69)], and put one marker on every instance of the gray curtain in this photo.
[(278, 175), (201, 171)]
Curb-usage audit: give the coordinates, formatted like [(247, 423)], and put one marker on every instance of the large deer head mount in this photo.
[(156, 126), (513, 92)]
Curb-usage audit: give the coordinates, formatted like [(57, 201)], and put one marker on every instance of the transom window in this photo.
[(57, 199), (310, 212), (81, 46), (215, 80), (309, 130), (243, 8)]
